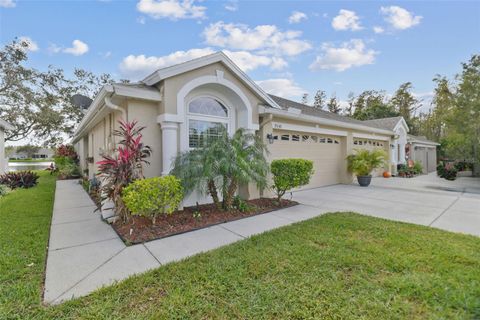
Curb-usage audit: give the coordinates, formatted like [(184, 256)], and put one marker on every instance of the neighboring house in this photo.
[(42, 153), (421, 149), (180, 103), (3, 126)]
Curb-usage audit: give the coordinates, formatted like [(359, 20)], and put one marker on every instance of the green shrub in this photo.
[(364, 161), (69, 170), (20, 179), (153, 196), (4, 190), (447, 171), (241, 205), (289, 174), (417, 167)]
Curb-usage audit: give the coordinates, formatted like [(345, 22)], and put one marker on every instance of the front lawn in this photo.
[(340, 265), (30, 160), (25, 223)]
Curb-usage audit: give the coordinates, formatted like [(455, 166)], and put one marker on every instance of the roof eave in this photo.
[(313, 119), (174, 70)]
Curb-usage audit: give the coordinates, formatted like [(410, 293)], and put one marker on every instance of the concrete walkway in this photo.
[(85, 253)]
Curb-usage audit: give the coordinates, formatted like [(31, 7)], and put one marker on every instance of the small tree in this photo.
[(320, 99), (125, 166), (223, 164), (333, 105), (289, 174)]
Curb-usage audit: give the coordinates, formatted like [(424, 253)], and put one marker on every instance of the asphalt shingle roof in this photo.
[(308, 110), (384, 123)]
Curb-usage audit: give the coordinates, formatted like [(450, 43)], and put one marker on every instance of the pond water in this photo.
[(20, 166)]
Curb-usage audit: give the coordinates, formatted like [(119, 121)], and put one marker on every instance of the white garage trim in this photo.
[(370, 136), (424, 146), (300, 128)]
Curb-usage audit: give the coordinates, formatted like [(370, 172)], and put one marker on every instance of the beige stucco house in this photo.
[(178, 104), (3, 126), (421, 149)]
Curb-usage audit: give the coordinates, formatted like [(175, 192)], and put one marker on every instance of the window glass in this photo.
[(200, 133), (207, 106), (285, 137), (295, 137), (329, 140)]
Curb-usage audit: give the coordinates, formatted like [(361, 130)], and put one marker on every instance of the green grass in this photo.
[(31, 160), (25, 223), (340, 266)]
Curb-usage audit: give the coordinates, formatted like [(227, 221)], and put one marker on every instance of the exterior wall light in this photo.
[(270, 138)]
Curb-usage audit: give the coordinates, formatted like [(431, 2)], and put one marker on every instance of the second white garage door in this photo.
[(326, 152)]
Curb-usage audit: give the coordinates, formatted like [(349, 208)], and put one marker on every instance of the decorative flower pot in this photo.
[(364, 181)]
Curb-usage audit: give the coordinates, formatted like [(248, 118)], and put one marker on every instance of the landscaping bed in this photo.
[(141, 229)]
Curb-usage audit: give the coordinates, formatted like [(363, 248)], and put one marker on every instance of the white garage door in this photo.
[(325, 152)]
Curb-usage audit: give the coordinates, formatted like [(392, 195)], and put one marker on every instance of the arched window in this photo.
[(207, 119)]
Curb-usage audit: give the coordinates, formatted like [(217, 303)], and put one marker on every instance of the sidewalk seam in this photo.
[(154, 257), (444, 211)]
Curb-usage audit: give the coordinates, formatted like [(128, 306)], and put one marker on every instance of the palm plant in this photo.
[(364, 161), (125, 166), (223, 164)]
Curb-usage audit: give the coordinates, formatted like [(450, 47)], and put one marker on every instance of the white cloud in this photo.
[(346, 20), (378, 29), (141, 20), (78, 48), (267, 38), (231, 6), (138, 66), (399, 17), (171, 9), (297, 17), (31, 45), (7, 3), (281, 87), (350, 54), (248, 61)]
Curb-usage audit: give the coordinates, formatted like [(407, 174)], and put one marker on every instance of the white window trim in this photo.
[(229, 120)]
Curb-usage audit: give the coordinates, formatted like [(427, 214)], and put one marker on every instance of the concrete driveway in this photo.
[(426, 200)]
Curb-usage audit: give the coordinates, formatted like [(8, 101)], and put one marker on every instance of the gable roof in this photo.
[(221, 57)]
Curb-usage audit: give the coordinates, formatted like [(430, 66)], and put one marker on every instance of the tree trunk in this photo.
[(228, 199), (212, 190)]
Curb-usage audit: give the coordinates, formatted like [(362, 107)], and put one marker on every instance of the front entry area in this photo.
[(325, 151)]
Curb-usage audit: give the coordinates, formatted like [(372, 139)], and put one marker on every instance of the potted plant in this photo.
[(364, 162)]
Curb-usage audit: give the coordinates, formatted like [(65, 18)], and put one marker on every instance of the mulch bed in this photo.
[(140, 229)]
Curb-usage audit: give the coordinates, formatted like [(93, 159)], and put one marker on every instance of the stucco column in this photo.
[(402, 153), (347, 178), (169, 144)]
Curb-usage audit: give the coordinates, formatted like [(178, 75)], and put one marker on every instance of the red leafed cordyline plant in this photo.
[(125, 166)]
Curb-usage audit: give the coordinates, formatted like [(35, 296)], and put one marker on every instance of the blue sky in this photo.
[(289, 47)]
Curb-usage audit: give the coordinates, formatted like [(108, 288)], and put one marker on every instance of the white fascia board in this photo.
[(5, 125), (405, 125), (92, 110), (138, 93), (300, 128), (419, 143), (168, 72), (424, 145), (370, 136), (307, 118)]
